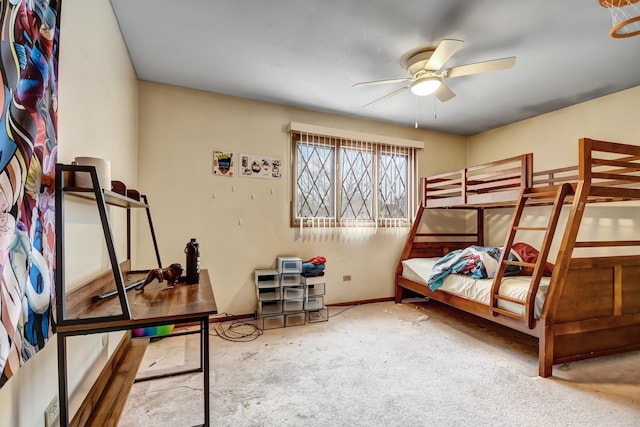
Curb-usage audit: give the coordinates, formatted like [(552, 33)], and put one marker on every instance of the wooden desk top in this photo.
[(156, 304)]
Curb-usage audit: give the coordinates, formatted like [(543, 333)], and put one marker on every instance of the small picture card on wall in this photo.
[(223, 163), (259, 166)]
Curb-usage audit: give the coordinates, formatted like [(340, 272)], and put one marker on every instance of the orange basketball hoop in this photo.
[(625, 17)]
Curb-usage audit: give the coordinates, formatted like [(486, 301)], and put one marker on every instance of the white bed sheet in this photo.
[(479, 290)]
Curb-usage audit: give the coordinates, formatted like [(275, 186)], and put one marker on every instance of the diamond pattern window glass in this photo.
[(393, 188), (340, 182), (356, 193), (315, 177)]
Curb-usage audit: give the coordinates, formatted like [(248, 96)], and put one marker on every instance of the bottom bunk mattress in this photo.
[(479, 290)]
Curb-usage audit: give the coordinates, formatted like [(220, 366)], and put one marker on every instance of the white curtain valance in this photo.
[(352, 135)]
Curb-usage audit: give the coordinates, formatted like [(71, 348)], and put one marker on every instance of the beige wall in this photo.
[(97, 117), (553, 137), (246, 225)]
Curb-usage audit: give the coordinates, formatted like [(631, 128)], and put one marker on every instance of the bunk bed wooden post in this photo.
[(407, 248), (412, 234), (480, 226), (463, 187), (584, 159), (545, 351), (527, 167)]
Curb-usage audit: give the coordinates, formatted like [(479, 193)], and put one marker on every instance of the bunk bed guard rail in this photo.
[(494, 183)]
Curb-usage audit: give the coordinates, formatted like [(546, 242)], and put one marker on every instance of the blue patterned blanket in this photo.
[(479, 262)]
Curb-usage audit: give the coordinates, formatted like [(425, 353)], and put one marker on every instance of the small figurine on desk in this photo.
[(171, 274)]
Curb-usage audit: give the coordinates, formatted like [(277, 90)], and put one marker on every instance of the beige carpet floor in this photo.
[(385, 364)]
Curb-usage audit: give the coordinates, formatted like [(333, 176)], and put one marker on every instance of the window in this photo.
[(342, 182)]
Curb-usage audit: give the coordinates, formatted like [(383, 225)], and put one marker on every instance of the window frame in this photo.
[(378, 149)]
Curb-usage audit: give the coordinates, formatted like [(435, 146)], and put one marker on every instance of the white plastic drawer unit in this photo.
[(289, 279), (294, 319), (317, 289), (273, 322), (313, 280), (269, 307), (269, 294), (293, 292), (289, 264), (314, 303), (321, 315), (267, 278), (292, 305)]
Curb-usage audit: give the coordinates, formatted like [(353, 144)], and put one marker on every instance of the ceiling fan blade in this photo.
[(443, 93), (389, 95), (443, 52), (382, 82), (480, 67)]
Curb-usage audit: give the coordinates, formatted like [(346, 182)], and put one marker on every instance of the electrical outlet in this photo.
[(51, 413)]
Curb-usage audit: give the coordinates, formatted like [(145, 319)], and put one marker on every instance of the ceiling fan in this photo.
[(424, 64)]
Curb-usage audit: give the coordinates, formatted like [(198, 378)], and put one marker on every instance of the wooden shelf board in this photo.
[(110, 197)]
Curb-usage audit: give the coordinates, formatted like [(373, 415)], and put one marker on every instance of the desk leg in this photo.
[(62, 380), (205, 367)]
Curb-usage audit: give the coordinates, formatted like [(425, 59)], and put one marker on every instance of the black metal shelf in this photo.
[(101, 198), (68, 326)]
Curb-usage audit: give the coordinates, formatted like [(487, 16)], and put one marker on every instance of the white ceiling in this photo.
[(309, 53)]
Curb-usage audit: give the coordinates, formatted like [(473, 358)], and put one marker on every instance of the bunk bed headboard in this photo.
[(611, 169), (495, 183)]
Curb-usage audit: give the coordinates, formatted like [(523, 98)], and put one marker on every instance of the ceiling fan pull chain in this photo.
[(416, 111), (435, 109)]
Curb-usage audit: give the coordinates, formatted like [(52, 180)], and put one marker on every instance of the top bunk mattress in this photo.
[(479, 290)]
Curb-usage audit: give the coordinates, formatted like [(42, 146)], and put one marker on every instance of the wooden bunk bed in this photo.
[(592, 303)]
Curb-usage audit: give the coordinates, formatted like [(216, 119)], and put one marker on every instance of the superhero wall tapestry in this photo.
[(28, 149)]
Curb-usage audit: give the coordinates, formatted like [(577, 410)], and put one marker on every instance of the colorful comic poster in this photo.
[(28, 154)]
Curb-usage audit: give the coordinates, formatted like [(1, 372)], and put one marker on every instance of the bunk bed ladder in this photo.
[(535, 197)]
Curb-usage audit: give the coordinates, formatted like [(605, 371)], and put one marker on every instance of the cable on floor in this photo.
[(343, 310), (237, 330)]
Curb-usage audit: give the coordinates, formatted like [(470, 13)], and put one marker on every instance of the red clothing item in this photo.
[(530, 254), (317, 260)]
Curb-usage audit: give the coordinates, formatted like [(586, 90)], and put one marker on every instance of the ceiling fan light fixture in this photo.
[(425, 85)]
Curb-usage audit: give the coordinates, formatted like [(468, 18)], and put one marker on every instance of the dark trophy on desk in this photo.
[(193, 262)]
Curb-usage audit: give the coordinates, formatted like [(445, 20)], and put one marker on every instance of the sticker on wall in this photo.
[(258, 166), (223, 163)]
